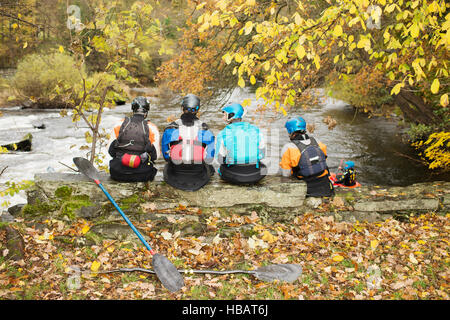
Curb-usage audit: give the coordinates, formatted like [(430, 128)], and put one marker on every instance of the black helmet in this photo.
[(140, 104), (191, 103)]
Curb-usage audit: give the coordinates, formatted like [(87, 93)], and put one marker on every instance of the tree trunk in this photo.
[(414, 108)]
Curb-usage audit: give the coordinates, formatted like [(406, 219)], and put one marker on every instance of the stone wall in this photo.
[(274, 199)]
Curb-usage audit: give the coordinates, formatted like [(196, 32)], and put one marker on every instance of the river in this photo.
[(373, 144)]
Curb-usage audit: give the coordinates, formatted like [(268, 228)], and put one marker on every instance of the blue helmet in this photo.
[(234, 111), (349, 165), (295, 124)]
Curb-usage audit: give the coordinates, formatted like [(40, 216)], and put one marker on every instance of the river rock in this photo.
[(115, 231), (400, 205), (14, 244), (16, 209)]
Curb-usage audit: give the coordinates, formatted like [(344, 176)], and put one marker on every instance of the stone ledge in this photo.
[(272, 191)]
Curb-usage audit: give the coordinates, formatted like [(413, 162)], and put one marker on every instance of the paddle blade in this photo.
[(167, 273), (86, 168), (283, 272)]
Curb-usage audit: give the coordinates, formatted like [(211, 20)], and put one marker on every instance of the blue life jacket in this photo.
[(242, 143)]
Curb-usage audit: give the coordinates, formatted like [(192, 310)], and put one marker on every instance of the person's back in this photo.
[(239, 149), (133, 149), (305, 158), (188, 147)]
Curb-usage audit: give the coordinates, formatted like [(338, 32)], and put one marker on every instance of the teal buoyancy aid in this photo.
[(241, 141)]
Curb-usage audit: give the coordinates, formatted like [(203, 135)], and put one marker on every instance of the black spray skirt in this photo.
[(242, 173), (188, 177), (119, 172), (319, 187)]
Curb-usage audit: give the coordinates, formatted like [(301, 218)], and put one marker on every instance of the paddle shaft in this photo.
[(125, 217)]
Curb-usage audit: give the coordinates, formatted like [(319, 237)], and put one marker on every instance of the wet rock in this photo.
[(90, 212), (22, 145), (6, 217), (115, 231), (313, 202), (16, 209), (36, 196), (14, 244)]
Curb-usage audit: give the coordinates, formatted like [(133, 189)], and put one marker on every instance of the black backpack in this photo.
[(312, 161), (133, 135)]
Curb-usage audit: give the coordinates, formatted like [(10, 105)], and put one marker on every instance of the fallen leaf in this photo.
[(374, 244), (95, 266), (412, 258), (267, 236), (338, 258)]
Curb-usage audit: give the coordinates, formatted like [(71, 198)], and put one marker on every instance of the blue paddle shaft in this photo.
[(125, 218)]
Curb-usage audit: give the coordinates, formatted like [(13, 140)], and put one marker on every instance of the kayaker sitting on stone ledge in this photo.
[(305, 158), (188, 147), (240, 147), (133, 150)]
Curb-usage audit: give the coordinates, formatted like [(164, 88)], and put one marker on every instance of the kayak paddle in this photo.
[(283, 272), (164, 269)]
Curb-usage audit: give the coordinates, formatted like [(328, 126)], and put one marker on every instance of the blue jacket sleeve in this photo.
[(170, 135), (207, 138)]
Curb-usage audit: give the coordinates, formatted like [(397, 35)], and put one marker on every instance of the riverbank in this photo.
[(70, 232)]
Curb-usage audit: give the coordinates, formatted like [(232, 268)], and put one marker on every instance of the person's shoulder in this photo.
[(172, 125), (287, 146)]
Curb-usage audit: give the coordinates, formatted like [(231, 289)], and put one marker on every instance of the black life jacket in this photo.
[(133, 135), (312, 160)]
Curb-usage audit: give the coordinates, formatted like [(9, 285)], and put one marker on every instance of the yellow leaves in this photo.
[(85, 229), (238, 57), (241, 83), (248, 27), (215, 20), (435, 86), (390, 8), (61, 49), (337, 258), (95, 266), (316, 62), (227, 58), (14, 25), (200, 6), (337, 31), (246, 102), (444, 100), (250, 2), (300, 50), (267, 236), (252, 80), (374, 244), (396, 89), (297, 19), (414, 30), (25, 45), (363, 43)]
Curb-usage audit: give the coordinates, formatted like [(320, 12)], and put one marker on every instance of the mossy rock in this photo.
[(63, 192), (39, 208), (70, 207)]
